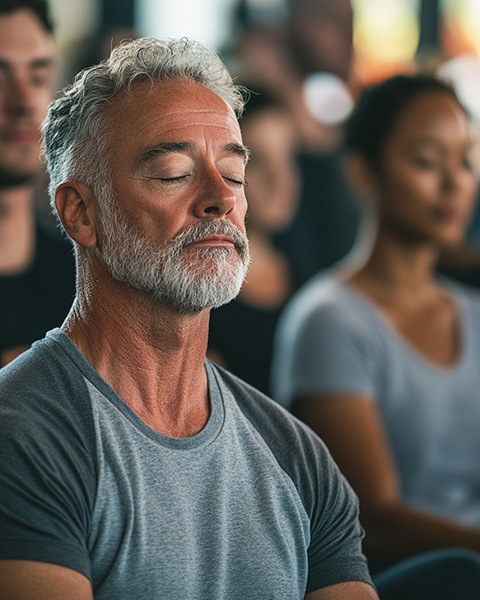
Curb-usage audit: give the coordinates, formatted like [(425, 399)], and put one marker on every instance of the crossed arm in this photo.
[(27, 580), (351, 590), (351, 427)]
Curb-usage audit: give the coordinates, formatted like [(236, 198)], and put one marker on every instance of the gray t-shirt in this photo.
[(250, 507), (331, 339)]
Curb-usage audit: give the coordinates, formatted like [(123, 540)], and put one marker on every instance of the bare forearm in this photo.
[(398, 531), (26, 580), (351, 590)]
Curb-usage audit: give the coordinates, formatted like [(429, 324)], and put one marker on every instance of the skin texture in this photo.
[(423, 195), (352, 590), (161, 192)]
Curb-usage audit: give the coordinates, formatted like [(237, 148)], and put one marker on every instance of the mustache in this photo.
[(203, 229)]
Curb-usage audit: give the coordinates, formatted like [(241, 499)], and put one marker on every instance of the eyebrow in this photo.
[(432, 142), (239, 150), (166, 148), (38, 63)]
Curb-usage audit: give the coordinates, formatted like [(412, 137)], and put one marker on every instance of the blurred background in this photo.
[(315, 55), (388, 35)]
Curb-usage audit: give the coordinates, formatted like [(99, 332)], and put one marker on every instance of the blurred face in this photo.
[(322, 37), (26, 89), (426, 188), (173, 226), (272, 176)]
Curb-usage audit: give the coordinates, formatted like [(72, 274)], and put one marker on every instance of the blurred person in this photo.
[(131, 466), (36, 262), (272, 193), (380, 355), (279, 52), (282, 54)]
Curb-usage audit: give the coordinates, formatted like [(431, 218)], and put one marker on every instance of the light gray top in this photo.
[(250, 507), (332, 339)]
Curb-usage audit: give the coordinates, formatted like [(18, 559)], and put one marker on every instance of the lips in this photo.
[(20, 136), (213, 233), (216, 240)]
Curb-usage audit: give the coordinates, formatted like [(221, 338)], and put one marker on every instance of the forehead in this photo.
[(433, 113), (22, 35), (170, 111)]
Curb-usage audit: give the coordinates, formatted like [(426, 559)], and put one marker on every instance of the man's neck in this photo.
[(17, 230), (150, 355)]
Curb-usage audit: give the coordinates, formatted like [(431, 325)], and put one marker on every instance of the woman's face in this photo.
[(273, 180), (425, 186)]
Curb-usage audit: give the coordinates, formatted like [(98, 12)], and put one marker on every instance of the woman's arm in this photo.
[(351, 428)]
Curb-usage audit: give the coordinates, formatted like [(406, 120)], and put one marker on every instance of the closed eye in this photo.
[(236, 182), (173, 179)]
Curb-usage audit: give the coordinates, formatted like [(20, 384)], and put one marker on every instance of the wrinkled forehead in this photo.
[(152, 109)]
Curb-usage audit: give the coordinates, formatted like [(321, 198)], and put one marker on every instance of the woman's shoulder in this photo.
[(326, 299)]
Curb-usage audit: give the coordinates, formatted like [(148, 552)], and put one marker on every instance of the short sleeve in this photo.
[(334, 546), (333, 352), (46, 475), (335, 553), (327, 346)]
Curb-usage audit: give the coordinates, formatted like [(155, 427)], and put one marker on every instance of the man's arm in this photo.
[(351, 590), (28, 580)]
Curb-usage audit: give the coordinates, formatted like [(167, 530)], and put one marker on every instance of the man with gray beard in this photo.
[(130, 466)]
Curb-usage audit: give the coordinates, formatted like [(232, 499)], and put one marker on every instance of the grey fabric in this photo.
[(250, 507), (331, 339)]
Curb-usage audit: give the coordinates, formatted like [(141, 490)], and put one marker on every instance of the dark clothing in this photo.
[(243, 335), (439, 575), (38, 299), (327, 220)]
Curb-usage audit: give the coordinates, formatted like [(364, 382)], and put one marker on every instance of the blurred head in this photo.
[(38, 7), (409, 142), (149, 138), (321, 35), (26, 87), (272, 173)]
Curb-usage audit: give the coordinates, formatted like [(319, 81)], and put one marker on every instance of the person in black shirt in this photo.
[(36, 262)]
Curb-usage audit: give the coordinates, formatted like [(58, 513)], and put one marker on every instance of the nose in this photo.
[(454, 178), (20, 96), (216, 198)]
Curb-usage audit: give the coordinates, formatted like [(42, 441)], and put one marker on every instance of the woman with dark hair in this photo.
[(381, 356)]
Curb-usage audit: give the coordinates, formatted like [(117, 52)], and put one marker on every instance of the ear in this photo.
[(360, 175), (76, 208)]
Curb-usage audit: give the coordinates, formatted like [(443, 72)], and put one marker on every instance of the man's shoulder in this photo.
[(40, 377), (286, 436), (248, 396)]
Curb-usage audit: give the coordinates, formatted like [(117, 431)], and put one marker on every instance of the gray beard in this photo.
[(189, 279)]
